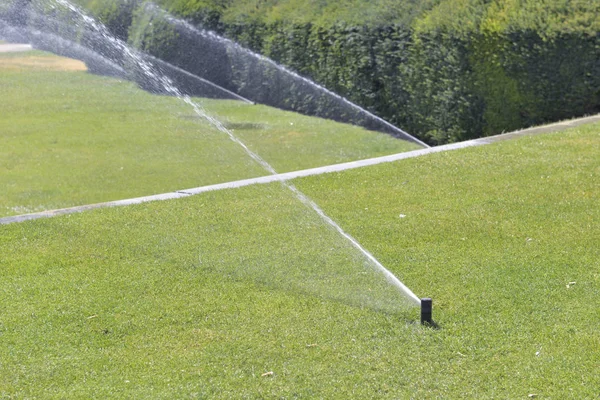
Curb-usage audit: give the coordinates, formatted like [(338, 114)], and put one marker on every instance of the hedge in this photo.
[(440, 84), (461, 71)]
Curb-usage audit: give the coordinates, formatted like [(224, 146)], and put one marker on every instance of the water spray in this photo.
[(131, 57), (226, 92), (249, 56)]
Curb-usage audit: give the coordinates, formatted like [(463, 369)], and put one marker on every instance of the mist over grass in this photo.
[(127, 295)]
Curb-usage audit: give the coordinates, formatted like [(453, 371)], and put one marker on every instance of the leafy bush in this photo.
[(442, 105)]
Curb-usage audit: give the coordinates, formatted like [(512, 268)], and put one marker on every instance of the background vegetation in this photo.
[(443, 70)]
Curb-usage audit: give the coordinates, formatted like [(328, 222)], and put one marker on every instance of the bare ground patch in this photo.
[(40, 62)]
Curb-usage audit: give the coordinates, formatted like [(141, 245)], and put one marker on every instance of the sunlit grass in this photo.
[(70, 138), (197, 297), (291, 141)]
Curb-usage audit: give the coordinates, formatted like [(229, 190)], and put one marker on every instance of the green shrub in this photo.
[(153, 34), (116, 15), (501, 93), (442, 105)]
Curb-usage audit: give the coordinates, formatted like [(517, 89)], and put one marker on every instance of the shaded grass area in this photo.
[(70, 138), (199, 297)]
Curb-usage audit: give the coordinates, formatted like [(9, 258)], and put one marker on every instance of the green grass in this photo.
[(291, 141), (70, 138), (199, 297)]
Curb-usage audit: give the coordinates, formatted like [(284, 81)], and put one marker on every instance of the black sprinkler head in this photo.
[(426, 311)]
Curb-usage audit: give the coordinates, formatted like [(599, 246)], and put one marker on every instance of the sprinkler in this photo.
[(426, 308)]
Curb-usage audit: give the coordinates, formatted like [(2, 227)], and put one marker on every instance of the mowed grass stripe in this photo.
[(308, 172)]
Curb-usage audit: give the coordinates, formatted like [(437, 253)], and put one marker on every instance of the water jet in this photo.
[(134, 62), (261, 79)]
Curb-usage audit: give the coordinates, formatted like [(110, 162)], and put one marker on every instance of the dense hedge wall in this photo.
[(237, 69), (117, 15), (299, 12), (450, 71), (443, 83)]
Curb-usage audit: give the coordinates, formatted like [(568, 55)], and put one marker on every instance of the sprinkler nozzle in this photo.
[(426, 310)]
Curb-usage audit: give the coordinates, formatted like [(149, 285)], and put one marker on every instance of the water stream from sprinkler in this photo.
[(229, 44), (103, 65), (170, 88), (196, 77)]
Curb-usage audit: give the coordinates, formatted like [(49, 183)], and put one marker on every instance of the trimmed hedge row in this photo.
[(239, 70), (441, 86)]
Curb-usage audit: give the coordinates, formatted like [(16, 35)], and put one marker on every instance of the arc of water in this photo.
[(49, 41), (208, 34), (205, 81), (169, 87), (391, 278)]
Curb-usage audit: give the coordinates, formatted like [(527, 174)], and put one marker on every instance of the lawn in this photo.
[(245, 294), (69, 138)]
